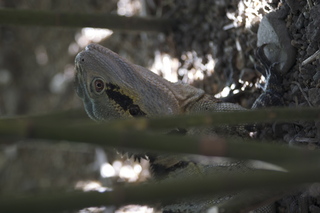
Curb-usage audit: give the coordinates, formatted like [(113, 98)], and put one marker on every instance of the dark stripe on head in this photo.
[(125, 102)]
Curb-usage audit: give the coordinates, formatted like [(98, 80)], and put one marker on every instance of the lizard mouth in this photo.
[(79, 83)]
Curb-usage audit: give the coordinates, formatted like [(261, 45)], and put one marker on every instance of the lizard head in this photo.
[(112, 87)]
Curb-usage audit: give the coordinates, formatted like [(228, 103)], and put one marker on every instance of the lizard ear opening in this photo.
[(98, 86)]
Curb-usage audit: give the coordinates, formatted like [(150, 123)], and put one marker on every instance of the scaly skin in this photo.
[(113, 88)]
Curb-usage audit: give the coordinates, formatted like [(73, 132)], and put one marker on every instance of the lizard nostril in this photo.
[(82, 59)]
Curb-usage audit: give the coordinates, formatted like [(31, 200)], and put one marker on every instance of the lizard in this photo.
[(113, 88)]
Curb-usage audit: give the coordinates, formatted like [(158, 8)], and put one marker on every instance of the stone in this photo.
[(274, 35), (314, 96)]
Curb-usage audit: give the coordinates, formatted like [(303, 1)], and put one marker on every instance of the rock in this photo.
[(273, 33), (314, 96), (313, 29), (316, 77), (300, 21), (294, 5)]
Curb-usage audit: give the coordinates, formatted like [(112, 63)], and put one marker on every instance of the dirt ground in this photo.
[(203, 31), (219, 31)]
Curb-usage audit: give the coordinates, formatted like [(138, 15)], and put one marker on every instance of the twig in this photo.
[(311, 58), (303, 93), (310, 4)]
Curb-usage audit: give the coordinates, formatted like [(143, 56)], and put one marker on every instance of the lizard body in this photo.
[(113, 88)]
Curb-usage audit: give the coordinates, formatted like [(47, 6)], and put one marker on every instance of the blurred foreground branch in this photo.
[(63, 19), (276, 183), (267, 115), (112, 134)]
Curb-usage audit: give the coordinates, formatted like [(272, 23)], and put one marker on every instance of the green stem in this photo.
[(222, 118), (62, 19), (276, 182), (102, 134), (192, 120)]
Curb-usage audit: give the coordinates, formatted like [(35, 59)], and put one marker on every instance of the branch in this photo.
[(212, 185), (267, 115), (61, 19), (103, 134)]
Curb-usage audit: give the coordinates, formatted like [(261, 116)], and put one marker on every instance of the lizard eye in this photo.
[(98, 85)]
